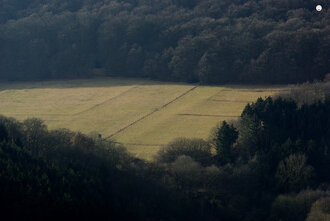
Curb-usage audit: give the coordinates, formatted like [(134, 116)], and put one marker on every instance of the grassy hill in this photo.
[(141, 114)]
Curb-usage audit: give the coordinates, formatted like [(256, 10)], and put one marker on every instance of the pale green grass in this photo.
[(141, 114)]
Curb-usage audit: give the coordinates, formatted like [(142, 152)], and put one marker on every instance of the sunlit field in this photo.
[(141, 114)]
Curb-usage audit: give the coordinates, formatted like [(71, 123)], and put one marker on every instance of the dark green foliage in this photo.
[(293, 173), (274, 129), (51, 175), (214, 41), (226, 136), (187, 173), (295, 207), (282, 148)]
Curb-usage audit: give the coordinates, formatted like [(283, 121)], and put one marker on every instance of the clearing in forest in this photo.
[(141, 114)]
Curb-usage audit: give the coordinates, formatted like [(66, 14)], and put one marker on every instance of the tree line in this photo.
[(271, 164), (213, 41)]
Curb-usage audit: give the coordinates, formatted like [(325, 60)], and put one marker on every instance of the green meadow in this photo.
[(141, 114)]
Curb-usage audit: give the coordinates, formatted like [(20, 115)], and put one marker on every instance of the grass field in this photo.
[(141, 114)]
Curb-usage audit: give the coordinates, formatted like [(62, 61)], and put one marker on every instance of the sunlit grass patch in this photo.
[(141, 114)]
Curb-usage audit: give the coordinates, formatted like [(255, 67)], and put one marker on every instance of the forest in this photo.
[(205, 41), (271, 164)]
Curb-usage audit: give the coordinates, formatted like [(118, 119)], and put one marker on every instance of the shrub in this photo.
[(197, 149), (320, 210), (295, 207), (187, 172), (293, 173)]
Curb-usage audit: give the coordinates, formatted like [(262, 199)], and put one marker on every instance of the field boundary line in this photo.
[(152, 112), (104, 102)]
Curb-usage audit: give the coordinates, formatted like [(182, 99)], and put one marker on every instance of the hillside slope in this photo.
[(213, 41)]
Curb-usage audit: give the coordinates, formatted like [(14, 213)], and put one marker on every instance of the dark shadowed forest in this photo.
[(271, 164), (207, 41)]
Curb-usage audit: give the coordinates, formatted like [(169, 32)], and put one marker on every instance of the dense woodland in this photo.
[(207, 41), (271, 164)]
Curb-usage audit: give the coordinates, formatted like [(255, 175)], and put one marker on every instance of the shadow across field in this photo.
[(81, 83), (119, 81)]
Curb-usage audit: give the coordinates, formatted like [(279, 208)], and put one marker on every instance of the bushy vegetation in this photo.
[(60, 174), (308, 93), (297, 206), (272, 164), (197, 149), (213, 41), (320, 210)]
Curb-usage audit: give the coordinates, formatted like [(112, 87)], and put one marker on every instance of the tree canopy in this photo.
[(214, 41)]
